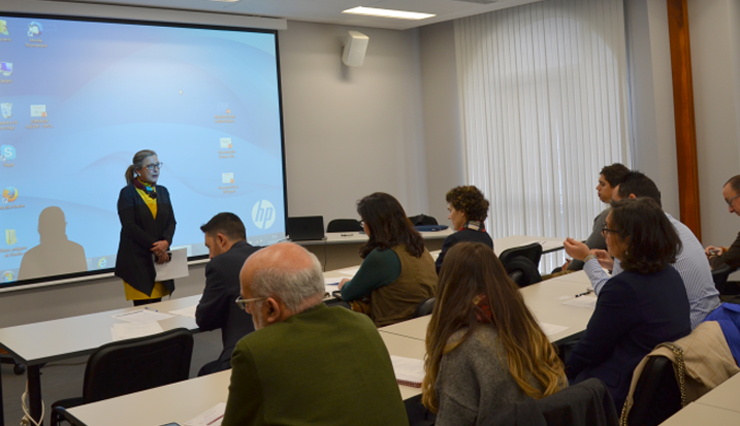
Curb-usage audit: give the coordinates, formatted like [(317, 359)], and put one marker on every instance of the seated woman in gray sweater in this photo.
[(485, 350)]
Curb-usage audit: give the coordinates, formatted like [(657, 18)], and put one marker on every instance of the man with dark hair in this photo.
[(225, 237), (691, 263), (609, 178), (730, 256)]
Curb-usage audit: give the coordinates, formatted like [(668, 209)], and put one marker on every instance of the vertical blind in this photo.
[(544, 106)]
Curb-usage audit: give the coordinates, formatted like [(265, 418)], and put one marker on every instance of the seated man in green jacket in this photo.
[(306, 363)]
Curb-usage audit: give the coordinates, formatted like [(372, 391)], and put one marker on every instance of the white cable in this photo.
[(27, 419)]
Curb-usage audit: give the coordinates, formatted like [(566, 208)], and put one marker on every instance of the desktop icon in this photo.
[(10, 194), (7, 109), (6, 68), (7, 153), (10, 237), (223, 108), (4, 27), (38, 110), (225, 143), (8, 276), (34, 29), (102, 263), (227, 177)]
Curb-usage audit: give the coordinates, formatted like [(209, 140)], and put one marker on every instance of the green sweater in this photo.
[(324, 366), (380, 268)]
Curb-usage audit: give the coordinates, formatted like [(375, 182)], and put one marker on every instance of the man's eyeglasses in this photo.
[(729, 202), (157, 166), (605, 230), (243, 302)]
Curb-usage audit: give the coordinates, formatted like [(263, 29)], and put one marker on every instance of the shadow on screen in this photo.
[(55, 254)]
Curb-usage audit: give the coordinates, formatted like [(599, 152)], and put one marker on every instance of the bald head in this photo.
[(286, 273)]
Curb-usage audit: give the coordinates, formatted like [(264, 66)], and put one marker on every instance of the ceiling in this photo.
[(330, 11)]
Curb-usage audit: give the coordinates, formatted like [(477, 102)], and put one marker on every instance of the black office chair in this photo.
[(585, 404), (522, 271), (720, 275), (422, 219), (424, 308), (657, 395), (344, 225), (120, 368), (533, 252)]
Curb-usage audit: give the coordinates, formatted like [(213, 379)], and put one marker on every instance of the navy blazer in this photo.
[(139, 230), (217, 308), (634, 313), (470, 235)]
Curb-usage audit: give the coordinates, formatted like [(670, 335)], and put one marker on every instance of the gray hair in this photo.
[(137, 163), (292, 287)]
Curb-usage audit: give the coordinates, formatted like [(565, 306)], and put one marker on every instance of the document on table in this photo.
[(177, 267), (142, 316), (131, 330), (582, 302), (552, 329), (188, 312), (213, 417), (349, 272), (408, 371)]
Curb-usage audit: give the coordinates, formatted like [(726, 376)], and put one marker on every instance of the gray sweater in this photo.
[(474, 378)]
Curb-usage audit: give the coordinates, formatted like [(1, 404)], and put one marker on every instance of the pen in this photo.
[(155, 310), (584, 294), (216, 419)]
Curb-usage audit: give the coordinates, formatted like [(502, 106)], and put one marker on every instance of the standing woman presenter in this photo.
[(147, 228)]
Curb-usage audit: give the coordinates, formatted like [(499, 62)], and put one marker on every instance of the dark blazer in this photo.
[(216, 308), (139, 230), (633, 314), (466, 234)]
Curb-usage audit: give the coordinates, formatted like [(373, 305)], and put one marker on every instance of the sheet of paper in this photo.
[(177, 267), (142, 316), (332, 281), (212, 417), (185, 312), (350, 272), (552, 329), (131, 330), (582, 302), (408, 370)]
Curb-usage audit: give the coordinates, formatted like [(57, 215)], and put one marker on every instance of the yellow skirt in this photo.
[(133, 294)]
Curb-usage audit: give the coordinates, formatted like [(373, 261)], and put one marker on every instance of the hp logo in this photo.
[(263, 214)]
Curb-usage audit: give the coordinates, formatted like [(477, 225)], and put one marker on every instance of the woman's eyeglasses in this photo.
[(605, 230), (157, 166)]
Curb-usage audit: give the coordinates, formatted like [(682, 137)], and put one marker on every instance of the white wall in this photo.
[(653, 139), (714, 26), (351, 131)]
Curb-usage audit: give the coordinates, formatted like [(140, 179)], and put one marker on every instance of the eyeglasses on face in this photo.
[(729, 202), (605, 230), (243, 302), (157, 166)]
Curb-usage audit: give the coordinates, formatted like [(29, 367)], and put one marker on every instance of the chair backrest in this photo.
[(424, 308), (720, 275), (657, 395), (344, 225), (533, 252), (522, 271), (120, 368)]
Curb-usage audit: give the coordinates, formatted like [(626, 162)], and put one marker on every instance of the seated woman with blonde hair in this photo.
[(485, 350)]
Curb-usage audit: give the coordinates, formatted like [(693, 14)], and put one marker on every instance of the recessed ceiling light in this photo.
[(388, 13)]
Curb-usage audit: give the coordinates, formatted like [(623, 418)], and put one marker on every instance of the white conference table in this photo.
[(544, 299), (183, 401), (718, 407)]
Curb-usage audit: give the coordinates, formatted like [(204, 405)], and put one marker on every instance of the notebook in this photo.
[(306, 228), (409, 372)]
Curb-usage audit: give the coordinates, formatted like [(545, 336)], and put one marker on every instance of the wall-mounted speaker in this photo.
[(355, 46)]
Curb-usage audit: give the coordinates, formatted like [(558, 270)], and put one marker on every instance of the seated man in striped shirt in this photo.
[(691, 263)]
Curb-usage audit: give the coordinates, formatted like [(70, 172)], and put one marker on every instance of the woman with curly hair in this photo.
[(485, 350), (637, 309), (468, 209), (397, 272)]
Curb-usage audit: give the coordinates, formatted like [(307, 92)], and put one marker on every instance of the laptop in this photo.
[(305, 228)]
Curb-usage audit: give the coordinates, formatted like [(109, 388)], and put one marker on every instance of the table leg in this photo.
[(34, 391)]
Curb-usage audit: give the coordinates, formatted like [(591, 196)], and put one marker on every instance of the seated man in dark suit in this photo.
[(228, 249), (306, 363)]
